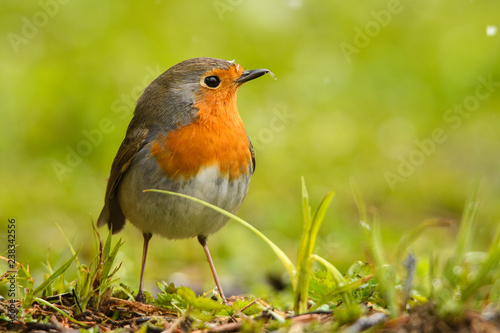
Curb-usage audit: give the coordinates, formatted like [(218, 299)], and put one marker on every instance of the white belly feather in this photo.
[(174, 217)]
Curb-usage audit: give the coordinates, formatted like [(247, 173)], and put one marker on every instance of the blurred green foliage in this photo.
[(361, 90)]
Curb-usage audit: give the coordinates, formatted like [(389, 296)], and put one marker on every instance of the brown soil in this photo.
[(131, 316)]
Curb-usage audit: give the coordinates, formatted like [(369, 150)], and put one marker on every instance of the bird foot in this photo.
[(141, 297)]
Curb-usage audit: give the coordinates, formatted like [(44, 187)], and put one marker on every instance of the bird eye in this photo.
[(212, 81)]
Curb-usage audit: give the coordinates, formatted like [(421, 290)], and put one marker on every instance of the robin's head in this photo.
[(209, 76), (195, 83)]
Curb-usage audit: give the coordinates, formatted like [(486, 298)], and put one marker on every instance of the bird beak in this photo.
[(250, 75)]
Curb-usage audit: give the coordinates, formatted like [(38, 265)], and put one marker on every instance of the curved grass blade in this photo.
[(289, 266), (55, 275), (410, 237), (39, 300)]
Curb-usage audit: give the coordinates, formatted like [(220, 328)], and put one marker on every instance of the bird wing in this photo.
[(112, 213), (252, 153)]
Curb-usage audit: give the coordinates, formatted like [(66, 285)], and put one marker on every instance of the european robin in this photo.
[(186, 136)]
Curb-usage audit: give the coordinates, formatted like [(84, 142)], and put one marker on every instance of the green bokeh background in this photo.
[(357, 85)]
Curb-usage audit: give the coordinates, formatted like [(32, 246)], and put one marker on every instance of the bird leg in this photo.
[(203, 242), (141, 297)]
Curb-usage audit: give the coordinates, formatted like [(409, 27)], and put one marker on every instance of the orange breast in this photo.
[(216, 137)]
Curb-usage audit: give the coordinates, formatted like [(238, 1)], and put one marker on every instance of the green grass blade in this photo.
[(336, 275), (488, 272), (107, 245), (306, 224), (465, 232), (54, 275), (304, 257), (69, 245), (23, 274), (343, 289), (410, 237), (360, 204), (306, 208), (109, 256), (318, 218), (289, 266), (384, 273), (302, 288), (42, 301)]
